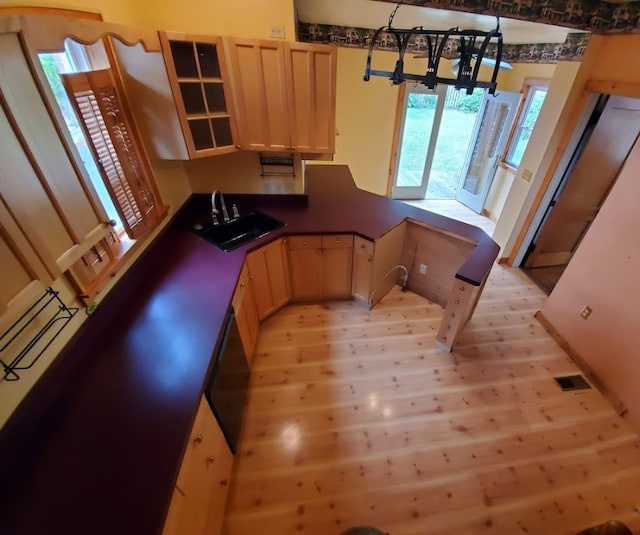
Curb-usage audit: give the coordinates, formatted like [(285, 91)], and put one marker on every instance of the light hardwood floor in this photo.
[(356, 418)]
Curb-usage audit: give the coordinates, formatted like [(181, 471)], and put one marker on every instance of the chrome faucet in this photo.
[(214, 210)]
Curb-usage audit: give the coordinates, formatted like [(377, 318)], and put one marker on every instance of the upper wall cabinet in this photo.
[(285, 95), (311, 80), (198, 76)]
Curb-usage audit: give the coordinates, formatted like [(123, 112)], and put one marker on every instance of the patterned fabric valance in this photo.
[(596, 16), (571, 50)]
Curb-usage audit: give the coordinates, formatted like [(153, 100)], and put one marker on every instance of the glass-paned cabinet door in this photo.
[(200, 84)]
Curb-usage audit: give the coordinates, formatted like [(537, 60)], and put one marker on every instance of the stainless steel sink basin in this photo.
[(236, 233)]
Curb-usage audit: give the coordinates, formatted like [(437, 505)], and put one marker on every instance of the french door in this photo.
[(417, 143), (489, 139)]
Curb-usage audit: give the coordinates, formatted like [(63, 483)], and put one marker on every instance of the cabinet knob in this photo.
[(211, 460), (305, 243), (242, 285), (337, 241), (198, 439)]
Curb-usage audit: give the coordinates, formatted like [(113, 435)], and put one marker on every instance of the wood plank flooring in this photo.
[(355, 418)]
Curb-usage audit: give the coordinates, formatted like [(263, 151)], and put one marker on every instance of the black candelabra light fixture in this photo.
[(467, 48)]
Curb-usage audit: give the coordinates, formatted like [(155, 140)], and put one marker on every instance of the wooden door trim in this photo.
[(57, 11), (574, 117), (609, 87), (395, 145)]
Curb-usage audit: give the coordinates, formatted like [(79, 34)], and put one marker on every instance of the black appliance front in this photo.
[(228, 386)]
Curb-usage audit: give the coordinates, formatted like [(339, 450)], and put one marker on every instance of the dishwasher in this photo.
[(228, 386)]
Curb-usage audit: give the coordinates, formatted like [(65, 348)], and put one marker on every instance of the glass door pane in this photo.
[(418, 133), (491, 132)]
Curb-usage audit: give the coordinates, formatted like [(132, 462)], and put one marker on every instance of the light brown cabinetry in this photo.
[(269, 275), (260, 89), (41, 186), (200, 494), (362, 268), (311, 79), (24, 276), (244, 307), (198, 77), (321, 266), (305, 257), (285, 95)]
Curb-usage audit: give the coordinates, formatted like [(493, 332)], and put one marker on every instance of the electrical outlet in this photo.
[(586, 312), (423, 269), (277, 31), (526, 175)]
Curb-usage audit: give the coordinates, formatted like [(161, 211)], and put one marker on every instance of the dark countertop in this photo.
[(96, 445)]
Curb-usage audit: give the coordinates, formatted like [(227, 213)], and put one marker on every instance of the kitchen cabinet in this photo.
[(321, 266), (246, 313), (305, 257), (48, 195), (285, 95), (197, 73), (200, 494), (311, 80), (362, 269), (24, 276), (337, 264), (269, 276)]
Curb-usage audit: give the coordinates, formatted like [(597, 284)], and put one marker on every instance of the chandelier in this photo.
[(466, 48)]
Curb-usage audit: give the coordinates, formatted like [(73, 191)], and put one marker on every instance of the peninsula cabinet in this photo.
[(362, 268), (200, 494), (198, 76), (244, 307), (269, 276), (321, 266), (285, 95)]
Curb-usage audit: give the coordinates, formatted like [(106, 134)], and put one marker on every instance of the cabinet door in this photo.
[(40, 183), (24, 276), (278, 267), (311, 76), (337, 261), (362, 268), (260, 88), (269, 277), (197, 72), (305, 258), (203, 479), (246, 314)]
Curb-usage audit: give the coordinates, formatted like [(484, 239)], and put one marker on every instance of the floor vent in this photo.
[(572, 382)]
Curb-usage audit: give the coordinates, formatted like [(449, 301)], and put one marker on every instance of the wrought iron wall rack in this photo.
[(277, 166), (52, 314)]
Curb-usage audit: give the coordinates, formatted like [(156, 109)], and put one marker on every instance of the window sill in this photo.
[(508, 167), (122, 252)]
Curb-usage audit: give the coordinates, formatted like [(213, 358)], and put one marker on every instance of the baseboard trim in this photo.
[(581, 363)]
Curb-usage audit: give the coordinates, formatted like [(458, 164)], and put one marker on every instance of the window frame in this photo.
[(91, 274), (529, 88)]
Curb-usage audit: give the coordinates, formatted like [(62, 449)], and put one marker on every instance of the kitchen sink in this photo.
[(238, 232)]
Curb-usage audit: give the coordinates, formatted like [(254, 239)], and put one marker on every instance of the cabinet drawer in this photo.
[(337, 241), (304, 242), (362, 247)]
